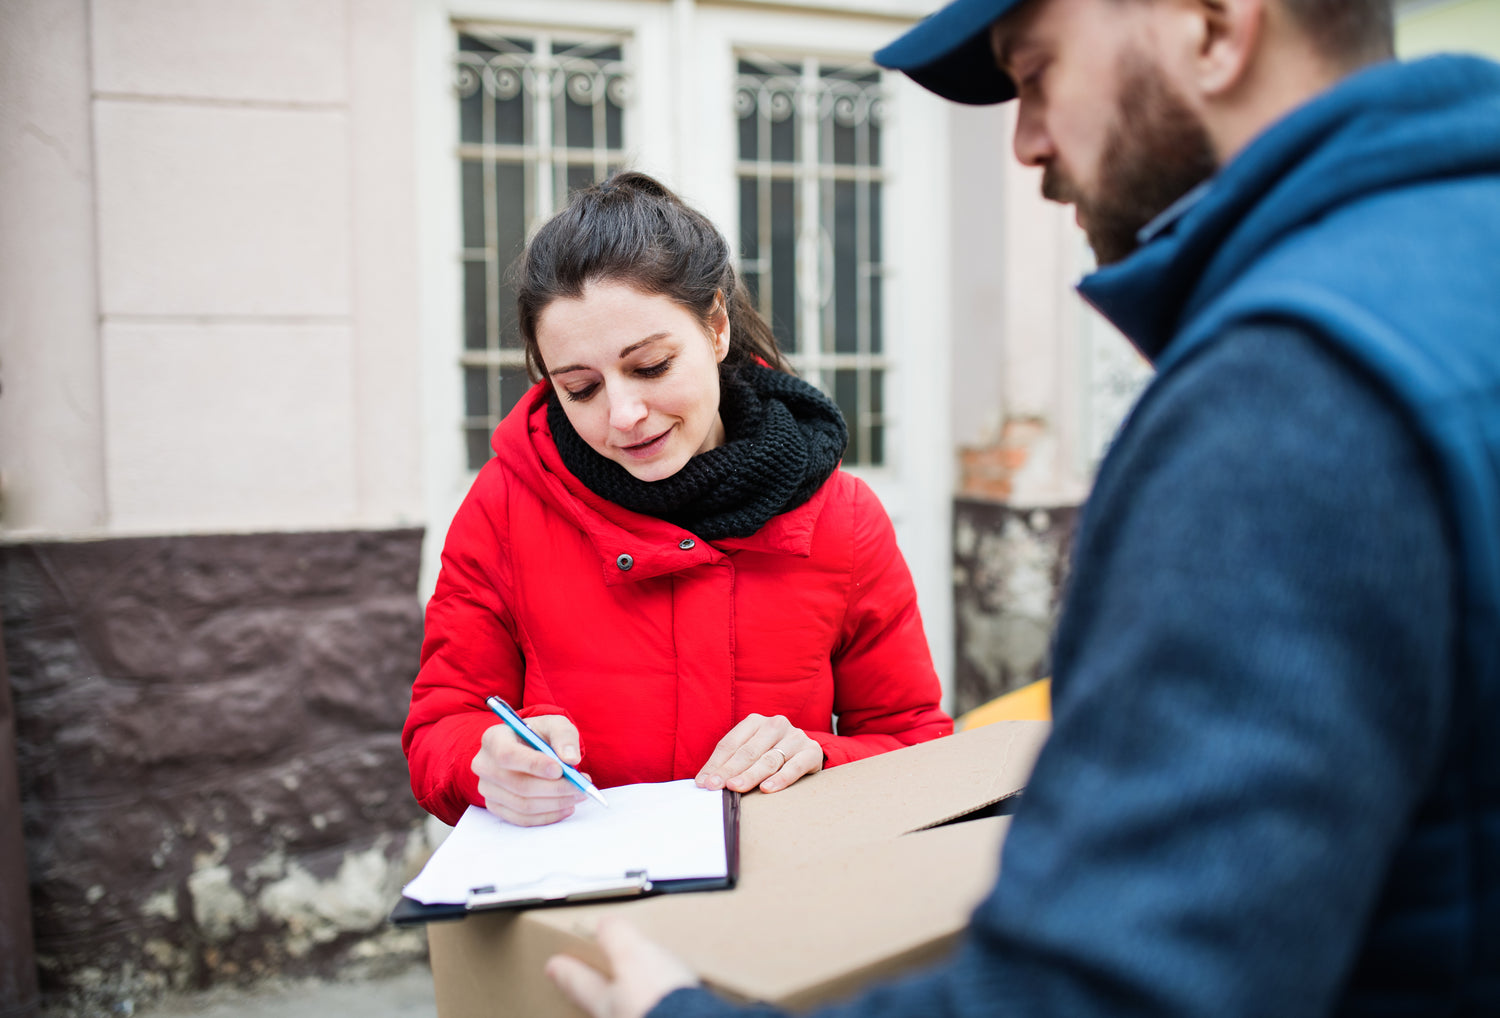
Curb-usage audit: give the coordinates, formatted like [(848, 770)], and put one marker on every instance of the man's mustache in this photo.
[(1057, 187)]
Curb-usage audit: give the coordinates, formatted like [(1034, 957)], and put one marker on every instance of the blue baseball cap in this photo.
[(948, 52)]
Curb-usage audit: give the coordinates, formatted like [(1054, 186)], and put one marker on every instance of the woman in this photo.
[(663, 568)]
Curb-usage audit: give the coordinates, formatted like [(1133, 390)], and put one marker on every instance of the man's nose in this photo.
[(1032, 144)]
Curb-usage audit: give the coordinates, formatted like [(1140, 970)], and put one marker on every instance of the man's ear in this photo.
[(1231, 33)]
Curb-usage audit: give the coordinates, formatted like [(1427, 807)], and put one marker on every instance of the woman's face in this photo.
[(637, 375)]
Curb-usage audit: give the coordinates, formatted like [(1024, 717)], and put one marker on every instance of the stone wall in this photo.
[(208, 734), (1009, 568)]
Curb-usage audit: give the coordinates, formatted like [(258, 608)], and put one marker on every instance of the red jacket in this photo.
[(655, 642)]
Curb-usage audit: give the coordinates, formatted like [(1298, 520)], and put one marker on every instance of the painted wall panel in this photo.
[(270, 50), (229, 426), (212, 210)]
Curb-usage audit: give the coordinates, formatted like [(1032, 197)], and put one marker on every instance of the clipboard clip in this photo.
[(633, 883)]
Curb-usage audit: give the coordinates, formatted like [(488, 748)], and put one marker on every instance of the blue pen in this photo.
[(514, 723)]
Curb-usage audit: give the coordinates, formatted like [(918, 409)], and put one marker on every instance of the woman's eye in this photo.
[(653, 370), (581, 393)]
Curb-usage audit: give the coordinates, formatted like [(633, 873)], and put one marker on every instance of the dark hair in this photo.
[(632, 229), (1351, 32)]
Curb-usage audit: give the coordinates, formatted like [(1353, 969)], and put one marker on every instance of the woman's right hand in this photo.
[(522, 786)]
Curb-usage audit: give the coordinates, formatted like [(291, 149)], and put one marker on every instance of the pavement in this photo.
[(407, 994)]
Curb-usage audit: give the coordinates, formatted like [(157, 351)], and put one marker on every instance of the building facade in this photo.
[(255, 330)]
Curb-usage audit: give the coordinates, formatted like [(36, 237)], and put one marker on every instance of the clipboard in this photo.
[(641, 806)]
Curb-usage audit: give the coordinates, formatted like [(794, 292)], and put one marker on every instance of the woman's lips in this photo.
[(650, 447)]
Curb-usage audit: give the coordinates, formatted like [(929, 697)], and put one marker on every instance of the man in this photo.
[(1273, 785)]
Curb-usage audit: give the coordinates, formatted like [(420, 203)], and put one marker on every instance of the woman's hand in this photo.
[(762, 751), (645, 972), (519, 784)]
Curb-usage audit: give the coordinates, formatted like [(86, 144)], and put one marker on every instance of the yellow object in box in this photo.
[(1029, 703)]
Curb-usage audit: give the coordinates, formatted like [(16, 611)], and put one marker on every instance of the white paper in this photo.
[(673, 830)]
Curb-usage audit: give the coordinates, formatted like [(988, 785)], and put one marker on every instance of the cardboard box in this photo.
[(852, 875)]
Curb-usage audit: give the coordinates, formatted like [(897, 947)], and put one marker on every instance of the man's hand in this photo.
[(645, 972)]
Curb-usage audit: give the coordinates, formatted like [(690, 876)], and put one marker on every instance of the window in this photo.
[(539, 115), (810, 200)]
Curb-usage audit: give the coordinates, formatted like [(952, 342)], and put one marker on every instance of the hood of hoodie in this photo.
[(1386, 127)]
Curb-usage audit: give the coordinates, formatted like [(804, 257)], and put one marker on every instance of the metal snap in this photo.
[(625, 562), (687, 544)]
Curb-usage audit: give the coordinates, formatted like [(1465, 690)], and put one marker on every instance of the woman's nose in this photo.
[(626, 409)]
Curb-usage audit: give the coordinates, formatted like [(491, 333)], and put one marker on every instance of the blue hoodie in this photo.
[(1380, 231), (1273, 785)]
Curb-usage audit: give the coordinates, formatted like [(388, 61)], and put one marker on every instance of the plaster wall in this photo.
[(209, 465), (210, 220)]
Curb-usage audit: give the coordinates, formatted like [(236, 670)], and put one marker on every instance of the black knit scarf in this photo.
[(782, 440)]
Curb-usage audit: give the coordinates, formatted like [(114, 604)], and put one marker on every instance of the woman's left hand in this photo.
[(763, 751)]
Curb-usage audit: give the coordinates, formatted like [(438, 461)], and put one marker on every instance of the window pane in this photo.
[(476, 305), (845, 269), (579, 104), (842, 140), (473, 200), (749, 121), (783, 129), (476, 392), (783, 264), (477, 443), (511, 202), (470, 44), (614, 124), (752, 286), (579, 176), (510, 331), (510, 110), (749, 219), (846, 395), (471, 113), (513, 385)]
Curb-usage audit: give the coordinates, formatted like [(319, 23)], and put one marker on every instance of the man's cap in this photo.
[(948, 52)]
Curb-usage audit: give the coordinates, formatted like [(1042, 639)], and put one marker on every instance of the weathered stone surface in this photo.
[(1010, 565), (209, 745)]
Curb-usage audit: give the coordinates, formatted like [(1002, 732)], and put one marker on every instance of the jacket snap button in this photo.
[(625, 562), (687, 544)]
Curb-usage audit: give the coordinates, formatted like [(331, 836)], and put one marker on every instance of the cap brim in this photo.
[(948, 53)]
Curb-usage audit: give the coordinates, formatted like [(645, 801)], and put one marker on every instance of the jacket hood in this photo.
[(524, 446), (1389, 126)]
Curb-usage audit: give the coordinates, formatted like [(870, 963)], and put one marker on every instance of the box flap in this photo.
[(884, 796)]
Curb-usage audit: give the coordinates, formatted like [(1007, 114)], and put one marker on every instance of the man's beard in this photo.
[(1156, 152)]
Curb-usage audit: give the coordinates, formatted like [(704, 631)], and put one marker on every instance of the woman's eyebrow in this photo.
[(632, 348)]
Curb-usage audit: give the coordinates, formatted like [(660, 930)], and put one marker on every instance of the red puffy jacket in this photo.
[(652, 641)]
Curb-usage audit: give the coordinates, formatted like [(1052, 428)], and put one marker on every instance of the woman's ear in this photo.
[(718, 321)]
